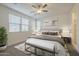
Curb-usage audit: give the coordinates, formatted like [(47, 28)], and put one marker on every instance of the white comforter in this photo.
[(48, 45)]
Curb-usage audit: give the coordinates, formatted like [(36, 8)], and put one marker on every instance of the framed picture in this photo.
[(54, 22)]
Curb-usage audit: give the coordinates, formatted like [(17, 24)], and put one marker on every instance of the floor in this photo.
[(72, 51), (11, 51)]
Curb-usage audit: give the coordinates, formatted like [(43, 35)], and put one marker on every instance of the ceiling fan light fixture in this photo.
[(40, 8), (39, 11)]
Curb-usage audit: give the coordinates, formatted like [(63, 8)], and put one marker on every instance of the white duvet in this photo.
[(48, 45)]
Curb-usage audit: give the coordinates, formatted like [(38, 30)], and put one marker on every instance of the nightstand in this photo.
[(67, 39)]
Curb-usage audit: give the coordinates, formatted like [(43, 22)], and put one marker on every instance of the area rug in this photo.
[(21, 47)]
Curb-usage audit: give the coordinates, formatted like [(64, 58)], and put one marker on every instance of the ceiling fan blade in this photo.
[(45, 10), (34, 6), (44, 5), (39, 6)]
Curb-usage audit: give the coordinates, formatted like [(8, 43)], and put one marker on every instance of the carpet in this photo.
[(22, 48)]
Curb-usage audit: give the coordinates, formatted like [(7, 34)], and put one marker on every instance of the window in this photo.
[(17, 24), (33, 25), (25, 24), (14, 23), (38, 25)]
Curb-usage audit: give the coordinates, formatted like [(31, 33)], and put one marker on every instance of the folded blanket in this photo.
[(48, 37)]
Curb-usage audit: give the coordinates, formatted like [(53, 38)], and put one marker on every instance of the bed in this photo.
[(50, 42)]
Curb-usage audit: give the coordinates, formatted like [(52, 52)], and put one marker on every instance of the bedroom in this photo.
[(24, 20)]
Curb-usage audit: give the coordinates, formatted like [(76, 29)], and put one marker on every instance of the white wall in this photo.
[(4, 16), (13, 38), (74, 18), (64, 21), (77, 27)]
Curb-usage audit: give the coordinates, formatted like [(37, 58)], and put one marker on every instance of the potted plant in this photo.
[(3, 37)]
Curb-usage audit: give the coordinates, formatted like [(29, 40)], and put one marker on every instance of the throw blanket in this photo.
[(48, 37)]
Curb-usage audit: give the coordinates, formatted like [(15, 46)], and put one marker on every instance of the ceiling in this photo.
[(53, 9)]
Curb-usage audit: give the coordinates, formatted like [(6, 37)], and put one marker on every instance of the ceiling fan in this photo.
[(39, 8)]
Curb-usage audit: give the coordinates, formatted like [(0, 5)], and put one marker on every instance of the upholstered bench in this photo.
[(40, 44)]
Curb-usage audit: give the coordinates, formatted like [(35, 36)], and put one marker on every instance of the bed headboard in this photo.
[(51, 31)]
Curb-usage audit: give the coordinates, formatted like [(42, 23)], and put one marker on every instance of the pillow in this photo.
[(50, 33)]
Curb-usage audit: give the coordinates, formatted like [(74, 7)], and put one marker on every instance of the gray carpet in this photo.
[(11, 51), (72, 51)]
